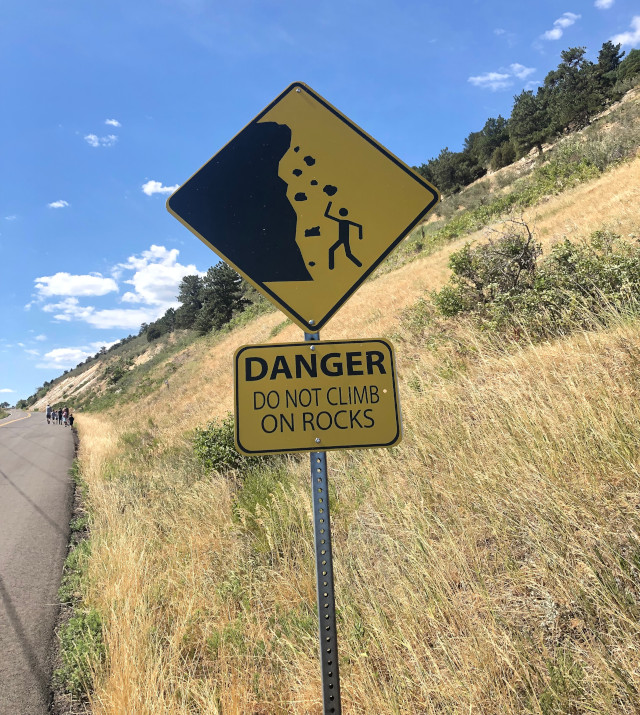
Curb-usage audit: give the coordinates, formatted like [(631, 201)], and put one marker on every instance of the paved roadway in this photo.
[(35, 508)]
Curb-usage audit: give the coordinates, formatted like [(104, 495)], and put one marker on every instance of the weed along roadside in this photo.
[(80, 636), (396, 200)]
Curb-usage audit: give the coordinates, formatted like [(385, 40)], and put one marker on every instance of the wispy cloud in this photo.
[(492, 80), (156, 187), (106, 319), (13, 217), (603, 4), (66, 358), (112, 122), (6, 389), (95, 141), (40, 338), (632, 37), (154, 276), (509, 37), (61, 204), (67, 284), (503, 79), (520, 71), (31, 351), (559, 26), (68, 309)]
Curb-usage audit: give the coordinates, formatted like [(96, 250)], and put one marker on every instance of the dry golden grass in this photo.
[(489, 564)]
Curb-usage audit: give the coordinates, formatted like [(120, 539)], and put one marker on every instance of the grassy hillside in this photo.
[(489, 563)]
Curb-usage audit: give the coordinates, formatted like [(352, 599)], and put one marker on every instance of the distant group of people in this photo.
[(61, 416)]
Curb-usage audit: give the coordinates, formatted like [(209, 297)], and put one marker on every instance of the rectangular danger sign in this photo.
[(315, 396)]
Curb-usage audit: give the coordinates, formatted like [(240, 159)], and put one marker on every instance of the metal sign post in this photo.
[(324, 579)]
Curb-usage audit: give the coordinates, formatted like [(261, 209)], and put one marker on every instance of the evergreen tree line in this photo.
[(208, 303), (570, 97)]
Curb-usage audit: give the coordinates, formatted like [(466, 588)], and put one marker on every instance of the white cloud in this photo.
[(554, 34), (499, 31), (68, 284), (96, 141), (68, 309), (491, 80), (6, 389), (32, 352), (61, 204), (157, 276), (520, 71), (10, 218), (604, 4), (64, 358), (126, 319), (101, 344), (112, 122), (502, 79), (567, 19), (156, 187), (629, 38), (40, 338)]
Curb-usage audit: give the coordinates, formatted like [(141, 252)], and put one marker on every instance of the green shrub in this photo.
[(215, 446), (505, 266), (81, 650), (504, 286), (73, 575)]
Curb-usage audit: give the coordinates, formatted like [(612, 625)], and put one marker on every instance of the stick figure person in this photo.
[(343, 236)]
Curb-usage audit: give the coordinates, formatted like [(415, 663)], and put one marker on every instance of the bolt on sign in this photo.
[(302, 397), (303, 204)]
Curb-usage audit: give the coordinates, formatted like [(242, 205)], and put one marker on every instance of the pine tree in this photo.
[(609, 59), (630, 66), (574, 93), (494, 133), (221, 296), (190, 297), (529, 121)]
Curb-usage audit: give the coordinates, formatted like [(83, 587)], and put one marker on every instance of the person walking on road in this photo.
[(48, 414), (60, 416), (71, 418), (65, 416)]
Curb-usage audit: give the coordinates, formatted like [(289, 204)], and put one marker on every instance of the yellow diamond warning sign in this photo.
[(303, 204), (314, 396)]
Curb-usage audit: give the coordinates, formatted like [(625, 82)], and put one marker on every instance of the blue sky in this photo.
[(108, 105)]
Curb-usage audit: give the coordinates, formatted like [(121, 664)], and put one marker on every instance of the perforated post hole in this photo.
[(324, 579), (325, 589)]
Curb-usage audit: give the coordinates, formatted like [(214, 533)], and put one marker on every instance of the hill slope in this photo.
[(487, 564)]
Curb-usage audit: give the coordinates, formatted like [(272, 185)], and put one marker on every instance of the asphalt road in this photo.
[(35, 507)]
